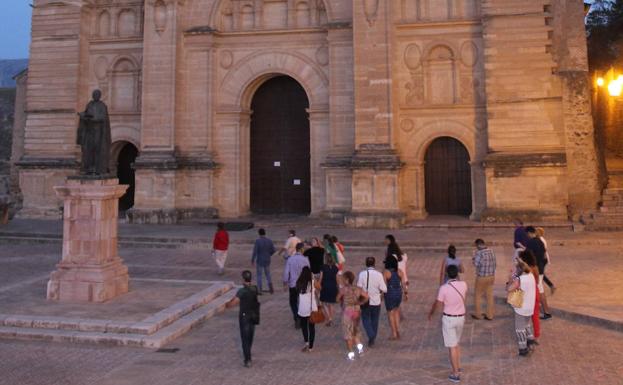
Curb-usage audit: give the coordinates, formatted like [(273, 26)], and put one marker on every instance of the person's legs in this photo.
[(454, 359), (543, 297), (375, 314), (521, 332), (246, 336), (489, 281), (258, 274), (221, 257), (312, 333), (366, 321), (536, 322), (548, 282), (294, 305), (305, 330), (269, 279), (477, 298)]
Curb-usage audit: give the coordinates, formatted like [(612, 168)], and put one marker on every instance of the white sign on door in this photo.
[(277, 164), (297, 182)]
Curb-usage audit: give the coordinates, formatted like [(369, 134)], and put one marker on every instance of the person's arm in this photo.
[(272, 248), (403, 283), (433, 309), (363, 296), (442, 273), (254, 255), (232, 302), (286, 273), (340, 296), (514, 285), (383, 285)]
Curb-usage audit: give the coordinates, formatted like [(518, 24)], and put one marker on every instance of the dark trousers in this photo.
[(547, 281), (294, 302), (309, 331), (247, 330), (370, 320)]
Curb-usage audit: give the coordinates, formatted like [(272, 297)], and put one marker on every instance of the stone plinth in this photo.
[(91, 270)]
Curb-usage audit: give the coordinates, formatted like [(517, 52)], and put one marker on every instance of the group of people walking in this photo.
[(315, 278)]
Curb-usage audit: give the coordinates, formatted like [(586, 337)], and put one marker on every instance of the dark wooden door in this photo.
[(125, 174), (280, 149), (448, 178)]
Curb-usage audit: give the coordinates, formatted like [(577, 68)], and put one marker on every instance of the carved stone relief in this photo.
[(227, 59), (244, 15), (160, 16)]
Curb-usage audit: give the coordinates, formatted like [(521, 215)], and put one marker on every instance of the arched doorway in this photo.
[(280, 148), (448, 178), (125, 173)]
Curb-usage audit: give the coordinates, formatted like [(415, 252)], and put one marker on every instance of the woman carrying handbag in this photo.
[(308, 308)]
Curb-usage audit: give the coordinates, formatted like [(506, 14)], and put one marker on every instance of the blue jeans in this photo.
[(370, 320), (258, 275), (247, 330)]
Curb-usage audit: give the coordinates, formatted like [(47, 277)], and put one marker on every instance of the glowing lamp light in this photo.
[(600, 82), (615, 88)]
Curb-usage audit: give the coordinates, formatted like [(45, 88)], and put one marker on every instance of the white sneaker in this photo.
[(351, 356), (360, 349)]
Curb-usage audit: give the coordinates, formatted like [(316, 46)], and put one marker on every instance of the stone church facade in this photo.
[(395, 109)]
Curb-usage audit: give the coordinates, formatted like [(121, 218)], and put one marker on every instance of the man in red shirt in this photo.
[(220, 246)]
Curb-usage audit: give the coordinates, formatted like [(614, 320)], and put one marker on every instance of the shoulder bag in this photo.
[(315, 317)]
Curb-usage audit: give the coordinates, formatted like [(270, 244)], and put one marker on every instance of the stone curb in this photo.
[(585, 319), (176, 243)]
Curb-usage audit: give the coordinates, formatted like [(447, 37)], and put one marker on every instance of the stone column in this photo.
[(583, 167), (156, 165), (375, 164), (90, 269)]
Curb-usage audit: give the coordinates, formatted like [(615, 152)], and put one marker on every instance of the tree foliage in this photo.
[(604, 27)]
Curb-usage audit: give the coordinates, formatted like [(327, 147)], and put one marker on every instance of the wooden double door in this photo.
[(280, 148), (448, 178)]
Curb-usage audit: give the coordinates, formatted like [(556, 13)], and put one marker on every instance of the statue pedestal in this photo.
[(90, 270)]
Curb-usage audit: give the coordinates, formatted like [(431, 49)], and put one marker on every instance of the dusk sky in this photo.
[(14, 28)]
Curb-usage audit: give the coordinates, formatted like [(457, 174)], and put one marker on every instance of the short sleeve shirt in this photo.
[(248, 298), (453, 303)]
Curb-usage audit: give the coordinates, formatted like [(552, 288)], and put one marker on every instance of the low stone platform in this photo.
[(153, 313)]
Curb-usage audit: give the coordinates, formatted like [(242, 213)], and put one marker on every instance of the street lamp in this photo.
[(613, 83)]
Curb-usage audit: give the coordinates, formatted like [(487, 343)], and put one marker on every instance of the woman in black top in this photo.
[(315, 254), (328, 287)]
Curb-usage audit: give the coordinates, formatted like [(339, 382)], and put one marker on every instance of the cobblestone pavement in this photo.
[(570, 353)]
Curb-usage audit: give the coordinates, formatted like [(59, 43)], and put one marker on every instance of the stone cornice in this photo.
[(169, 162), (511, 164), (46, 163)]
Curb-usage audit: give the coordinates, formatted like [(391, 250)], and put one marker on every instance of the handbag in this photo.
[(515, 298), (315, 317)]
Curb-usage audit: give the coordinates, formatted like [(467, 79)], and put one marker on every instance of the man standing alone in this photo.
[(249, 314), (262, 251), (220, 246), (291, 273), (484, 262), (373, 283)]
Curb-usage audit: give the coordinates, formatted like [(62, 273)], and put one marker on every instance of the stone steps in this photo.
[(609, 216), (152, 332)]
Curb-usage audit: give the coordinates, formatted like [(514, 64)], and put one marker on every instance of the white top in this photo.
[(307, 302), (402, 266), (376, 285), (290, 245), (528, 286)]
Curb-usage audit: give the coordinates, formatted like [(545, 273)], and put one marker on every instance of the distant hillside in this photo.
[(10, 68)]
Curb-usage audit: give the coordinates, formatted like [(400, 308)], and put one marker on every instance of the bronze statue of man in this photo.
[(94, 137)]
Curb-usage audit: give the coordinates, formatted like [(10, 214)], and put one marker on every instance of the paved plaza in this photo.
[(572, 351)]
